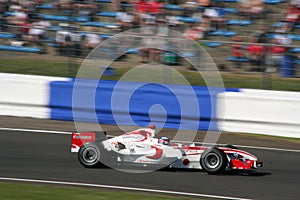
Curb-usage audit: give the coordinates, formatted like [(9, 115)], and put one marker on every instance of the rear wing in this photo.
[(79, 139)]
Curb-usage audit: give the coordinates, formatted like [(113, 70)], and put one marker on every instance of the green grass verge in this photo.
[(35, 66), (61, 68), (12, 191)]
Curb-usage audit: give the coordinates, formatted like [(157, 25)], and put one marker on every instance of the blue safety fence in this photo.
[(105, 102)]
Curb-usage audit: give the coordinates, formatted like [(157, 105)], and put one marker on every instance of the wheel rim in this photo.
[(90, 155), (212, 160)]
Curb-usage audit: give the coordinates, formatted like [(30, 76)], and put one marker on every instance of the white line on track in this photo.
[(68, 133), (120, 188), (33, 130)]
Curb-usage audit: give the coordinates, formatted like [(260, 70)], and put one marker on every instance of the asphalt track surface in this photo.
[(47, 157)]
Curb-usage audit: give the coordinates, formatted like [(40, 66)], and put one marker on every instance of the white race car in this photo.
[(140, 147)]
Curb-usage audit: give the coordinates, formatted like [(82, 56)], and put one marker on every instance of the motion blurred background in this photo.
[(253, 42)]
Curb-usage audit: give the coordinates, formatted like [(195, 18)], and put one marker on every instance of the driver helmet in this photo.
[(164, 140), (151, 126)]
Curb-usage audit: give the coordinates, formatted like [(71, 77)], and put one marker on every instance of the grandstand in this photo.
[(60, 30)]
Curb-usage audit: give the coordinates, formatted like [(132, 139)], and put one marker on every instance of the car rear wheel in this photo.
[(213, 161), (89, 155)]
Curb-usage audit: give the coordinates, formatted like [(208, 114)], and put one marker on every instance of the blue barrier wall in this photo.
[(169, 106)]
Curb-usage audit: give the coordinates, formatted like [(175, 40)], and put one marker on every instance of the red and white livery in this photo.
[(140, 147)]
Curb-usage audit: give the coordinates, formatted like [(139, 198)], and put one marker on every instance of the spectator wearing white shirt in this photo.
[(172, 22), (125, 20), (92, 40)]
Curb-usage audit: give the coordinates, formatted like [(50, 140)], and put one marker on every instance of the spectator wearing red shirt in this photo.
[(291, 17), (256, 53), (292, 14), (237, 51), (155, 7), (25, 26), (141, 6)]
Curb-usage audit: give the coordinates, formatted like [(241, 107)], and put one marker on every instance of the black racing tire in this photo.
[(213, 161), (89, 155)]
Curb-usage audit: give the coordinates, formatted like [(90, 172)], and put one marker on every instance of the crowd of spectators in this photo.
[(267, 46), (23, 18)]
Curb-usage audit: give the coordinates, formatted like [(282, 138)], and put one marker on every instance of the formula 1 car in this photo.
[(140, 147)]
